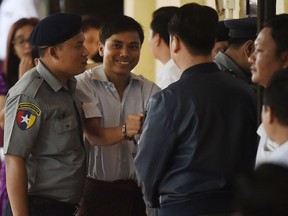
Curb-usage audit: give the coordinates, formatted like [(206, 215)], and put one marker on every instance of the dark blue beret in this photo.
[(55, 29), (242, 28), (223, 32)]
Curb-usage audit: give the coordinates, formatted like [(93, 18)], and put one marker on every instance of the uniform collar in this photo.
[(52, 81), (225, 60), (226, 63)]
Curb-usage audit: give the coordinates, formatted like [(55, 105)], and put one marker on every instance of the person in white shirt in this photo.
[(159, 43), (275, 116), (114, 101)]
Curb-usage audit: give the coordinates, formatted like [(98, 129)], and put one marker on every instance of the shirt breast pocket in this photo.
[(64, 125), (67, 133)]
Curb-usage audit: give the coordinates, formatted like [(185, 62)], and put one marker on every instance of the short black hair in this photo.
[(120, 24), (160, 20), (90, 21), (263, 192), (196, 26), (276, 94), (279, 31)]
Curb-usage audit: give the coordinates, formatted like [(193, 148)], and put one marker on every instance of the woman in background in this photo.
[(18, 60)]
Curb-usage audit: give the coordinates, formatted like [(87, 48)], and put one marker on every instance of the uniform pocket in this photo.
[(67, 135), (64, 125)]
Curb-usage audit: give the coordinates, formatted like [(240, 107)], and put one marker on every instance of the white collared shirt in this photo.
[(100, 99), (269, 151), (168, 74)]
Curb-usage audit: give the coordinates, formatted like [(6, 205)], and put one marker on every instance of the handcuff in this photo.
[(124, 132), (125, 136)]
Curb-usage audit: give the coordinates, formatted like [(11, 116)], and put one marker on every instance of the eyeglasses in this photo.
[(20, 42)]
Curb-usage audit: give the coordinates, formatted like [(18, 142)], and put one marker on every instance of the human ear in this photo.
[(174, 44), (284, 58), (156, 39), (268, 114), (249, 48), (36, 60), (101, 49), (53, 52)]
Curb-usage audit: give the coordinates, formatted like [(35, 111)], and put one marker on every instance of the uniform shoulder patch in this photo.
[(27, 114)]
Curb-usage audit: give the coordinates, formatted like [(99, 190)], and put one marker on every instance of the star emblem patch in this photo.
[(27, 114)]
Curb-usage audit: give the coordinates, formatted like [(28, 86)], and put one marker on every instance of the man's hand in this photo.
[(134, 124), (26, 64)]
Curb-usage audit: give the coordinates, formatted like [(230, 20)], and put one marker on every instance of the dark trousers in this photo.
[(117, 198), (39, 206), (186, 209)]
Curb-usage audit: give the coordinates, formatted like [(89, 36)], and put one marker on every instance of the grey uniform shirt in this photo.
[(100, 98), (225, 63), (43, 124)]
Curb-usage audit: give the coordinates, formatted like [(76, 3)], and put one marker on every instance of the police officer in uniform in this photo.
[(43, 142), (234, 60)]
